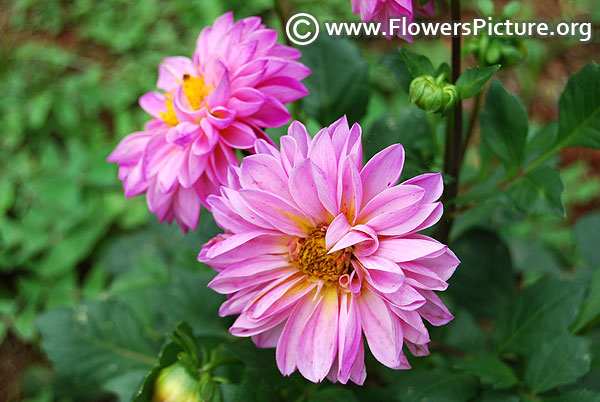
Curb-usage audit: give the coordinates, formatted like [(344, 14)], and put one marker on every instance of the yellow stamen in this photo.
[(195, 91), (312, 258)]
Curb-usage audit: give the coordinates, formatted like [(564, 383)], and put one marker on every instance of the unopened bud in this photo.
[(433, 94), (176, 384)]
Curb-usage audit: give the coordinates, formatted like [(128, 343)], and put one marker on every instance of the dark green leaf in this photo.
[(338, 83), (497, 396), (539, 191), (395, 62), (504, 126), (557, 361), (539, 312), (417, 64), (435, 386), (587, 233), (483, 282), (96, 344), (581, 395), (490, 370), (591, 307), (331, 394), (579, 110), (472, 81)]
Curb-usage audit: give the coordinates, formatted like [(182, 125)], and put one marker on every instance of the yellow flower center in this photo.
[(312, 258), (195, 91)]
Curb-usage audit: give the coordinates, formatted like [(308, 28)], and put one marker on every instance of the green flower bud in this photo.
[(511, 9), (176, 384), (434, 95)]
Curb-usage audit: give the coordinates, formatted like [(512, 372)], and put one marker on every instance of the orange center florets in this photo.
[(311, 257)]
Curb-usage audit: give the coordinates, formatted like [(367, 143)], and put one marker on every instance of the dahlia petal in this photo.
[(280, 212), (383, 333), (298, 132), (432, 183), (336, 230), (443, 265), (382, 171), (221, 117), (338, 131), (264, 172), (236, 302), (349, 337), (220, 95), (284, 89), (413, 327), (131, 148), (303, 189), (421, 277), (359, 371), (391, 200), (246, 101), (287, 347), (245, 327), (406, 298), (384, 275), (153, 103), (187, 208), (135, 183), (434, 309), (350, 191), (225, 217), (171, 71), (406, 220), (350, 239), (320, 152), (271, 114), (167, 177), (269, 338), (317, 346), (192, 169), (281, 297), (249, 274), (266, 244), (417, 349), (408, 248), (183, 134)]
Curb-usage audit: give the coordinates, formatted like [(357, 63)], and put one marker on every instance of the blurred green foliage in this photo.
[(106, 282)]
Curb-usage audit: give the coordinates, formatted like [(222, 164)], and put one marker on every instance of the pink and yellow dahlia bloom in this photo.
[(384, 10), (319, 251), (236, 84)]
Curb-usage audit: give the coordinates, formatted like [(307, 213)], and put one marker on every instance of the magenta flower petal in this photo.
[(321, 254), (236, 84)]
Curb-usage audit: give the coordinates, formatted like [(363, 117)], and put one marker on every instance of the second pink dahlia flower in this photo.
[(384, 10), (320, 251), (236, 84)]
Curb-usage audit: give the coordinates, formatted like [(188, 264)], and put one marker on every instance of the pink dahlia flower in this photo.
[(384, 10), (236, 83), (319, 251)]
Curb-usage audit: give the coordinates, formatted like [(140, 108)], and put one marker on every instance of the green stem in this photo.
[(453, 150)]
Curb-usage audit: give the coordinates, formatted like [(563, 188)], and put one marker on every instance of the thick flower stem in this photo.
[(453, 149)]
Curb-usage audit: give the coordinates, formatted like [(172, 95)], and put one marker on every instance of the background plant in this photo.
[(91, 284)]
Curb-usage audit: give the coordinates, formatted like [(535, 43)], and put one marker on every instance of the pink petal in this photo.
[(264, 172), (287, 348), (434, 309), (350, 191), (432, 183), (408, 248), (171, 71), (393, 199), (383, 332), (282, 214), (318, 343), (382, 171), (349, 336), (303, 189), (336, 230)]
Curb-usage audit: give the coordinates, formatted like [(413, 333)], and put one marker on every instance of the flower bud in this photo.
[(433, 94), (176, 384)]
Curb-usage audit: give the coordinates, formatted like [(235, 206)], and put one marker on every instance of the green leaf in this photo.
[(579, 110), (497, 396), (94, 344), (587, 233), (591, 307), (557, 361), (417, 64), (504, 126), (395, 63), (338, 83), (490, 370), (331, 394), (472, 81), (483, 282), (580, 395), (436, 385), (539, 312), (539, 191)]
